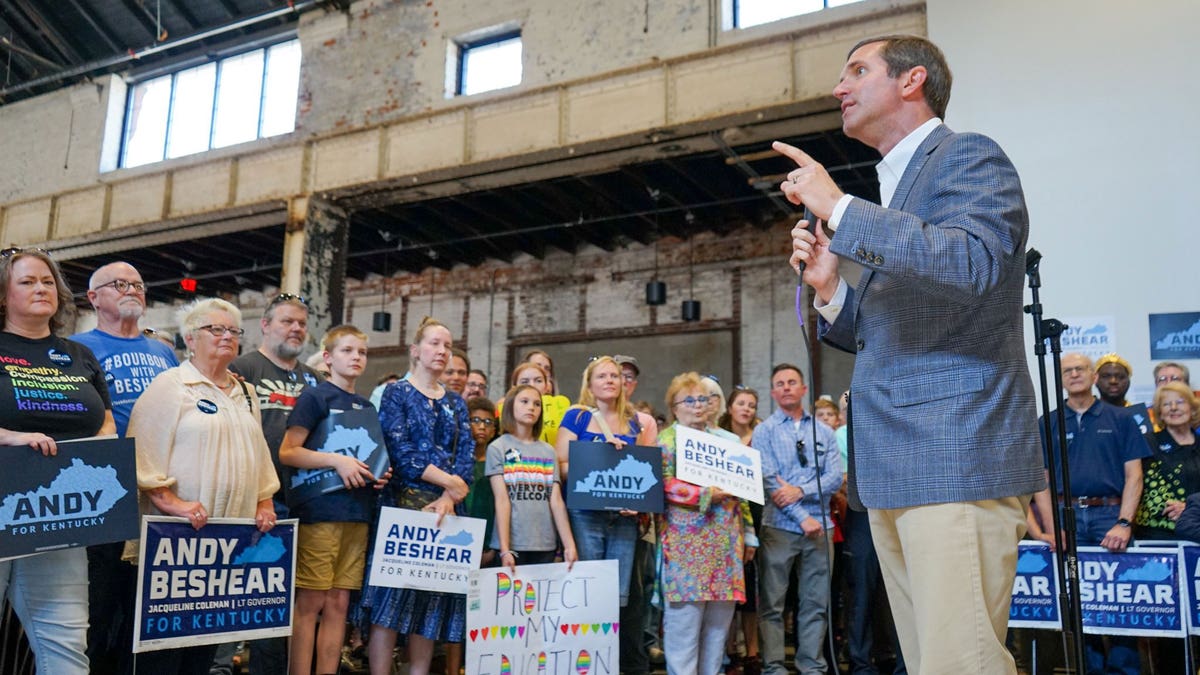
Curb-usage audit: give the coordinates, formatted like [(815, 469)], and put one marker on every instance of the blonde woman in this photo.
[(604, 415)]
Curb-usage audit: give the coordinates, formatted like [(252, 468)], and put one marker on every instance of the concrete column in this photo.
[(326, 235)]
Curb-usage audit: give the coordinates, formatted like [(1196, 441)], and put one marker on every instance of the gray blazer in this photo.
[(942, 402)]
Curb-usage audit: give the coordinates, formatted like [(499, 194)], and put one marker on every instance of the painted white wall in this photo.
[(1095, 102)]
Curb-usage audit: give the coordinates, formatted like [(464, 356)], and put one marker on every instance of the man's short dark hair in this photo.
[(902, 53), (787, 366), (480, 403), (476, 371)]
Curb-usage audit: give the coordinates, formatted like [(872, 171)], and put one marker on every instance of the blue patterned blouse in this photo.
[(420, 431)]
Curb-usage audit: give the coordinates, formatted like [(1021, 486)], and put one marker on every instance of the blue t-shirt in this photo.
[(129, 365), (343, 506), (576, 420)]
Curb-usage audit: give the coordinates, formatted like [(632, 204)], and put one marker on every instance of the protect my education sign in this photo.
[(544, 619), (222, 583)]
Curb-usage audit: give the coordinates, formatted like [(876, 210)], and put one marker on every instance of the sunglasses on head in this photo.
[(13, 250), (287, 297)]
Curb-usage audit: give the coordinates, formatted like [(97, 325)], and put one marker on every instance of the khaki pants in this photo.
[(949, 572)]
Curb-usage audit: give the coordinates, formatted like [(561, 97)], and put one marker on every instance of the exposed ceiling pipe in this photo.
[(8, 44), (97, 66)]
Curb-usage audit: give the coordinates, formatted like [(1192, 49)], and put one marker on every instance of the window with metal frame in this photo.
[(233, 100), (747, 13), (489, 63)]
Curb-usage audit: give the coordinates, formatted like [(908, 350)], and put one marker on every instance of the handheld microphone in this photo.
[(812, 227)]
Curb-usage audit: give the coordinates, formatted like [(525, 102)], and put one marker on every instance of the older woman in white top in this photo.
[(200, 446)]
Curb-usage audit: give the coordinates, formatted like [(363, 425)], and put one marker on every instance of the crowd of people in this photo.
[(940, 375), (219, 433)]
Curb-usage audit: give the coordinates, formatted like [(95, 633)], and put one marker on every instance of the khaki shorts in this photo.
[(331, 555)]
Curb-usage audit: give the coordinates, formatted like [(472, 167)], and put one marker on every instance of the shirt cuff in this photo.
[(835, 218), (830, 310)]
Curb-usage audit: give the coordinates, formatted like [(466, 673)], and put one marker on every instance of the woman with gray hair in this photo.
[(716, 400), (200, 447)]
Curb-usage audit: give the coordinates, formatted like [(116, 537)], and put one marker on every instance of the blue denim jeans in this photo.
[(49, 592), (604, 535)]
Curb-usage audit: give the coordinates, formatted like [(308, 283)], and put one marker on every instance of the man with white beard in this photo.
[(130, 360)]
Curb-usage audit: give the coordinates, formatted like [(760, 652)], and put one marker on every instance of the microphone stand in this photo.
[(1064, 532)]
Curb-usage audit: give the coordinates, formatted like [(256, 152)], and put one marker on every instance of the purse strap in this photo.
[(599, 417), (454, 441)]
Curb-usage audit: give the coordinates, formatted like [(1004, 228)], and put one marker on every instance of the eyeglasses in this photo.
[(1163, 379), (287, 297), (122, 286), (221, 331), (484, 421), (693, 400), (13, 250)]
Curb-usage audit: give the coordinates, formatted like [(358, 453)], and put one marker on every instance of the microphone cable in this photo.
[(818, 455)]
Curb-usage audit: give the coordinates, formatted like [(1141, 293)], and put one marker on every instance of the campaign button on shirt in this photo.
[(206, 406), (60, 358)]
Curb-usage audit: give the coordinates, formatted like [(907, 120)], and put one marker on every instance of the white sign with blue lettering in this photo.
[(413, 551), (711, 461), (1092, 336)]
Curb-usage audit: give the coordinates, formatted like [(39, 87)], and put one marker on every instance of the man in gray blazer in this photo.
[(945, 451)]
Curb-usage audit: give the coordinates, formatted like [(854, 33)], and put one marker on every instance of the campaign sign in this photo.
[(1175, 336), (413, 551), (84, 495), (1141, 417), (544, 619), (1132, 593), (1035, 588), (553, 410), (344, 432), (1191, 584), (222, 583), (604, 479), (1092, 336), (711, 461)]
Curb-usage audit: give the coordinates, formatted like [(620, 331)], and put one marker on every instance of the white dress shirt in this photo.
[(889, 169)]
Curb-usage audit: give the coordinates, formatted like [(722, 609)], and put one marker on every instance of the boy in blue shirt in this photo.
[(332, 539)]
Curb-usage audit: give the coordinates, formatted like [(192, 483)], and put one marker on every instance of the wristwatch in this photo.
[(1123, 522)]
